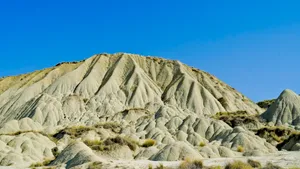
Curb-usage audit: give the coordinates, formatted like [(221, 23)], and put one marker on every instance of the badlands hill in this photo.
[(285, 110), (123, 107)]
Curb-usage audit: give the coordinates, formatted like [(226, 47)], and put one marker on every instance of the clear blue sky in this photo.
[(254, 46)]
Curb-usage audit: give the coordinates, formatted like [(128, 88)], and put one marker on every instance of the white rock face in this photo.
[(151, 98), (285, 110)]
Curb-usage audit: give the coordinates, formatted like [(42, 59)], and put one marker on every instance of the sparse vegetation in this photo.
[(238, 165), (132, 144), (223, 102), (31, 131), (85, 100), (215, 167), (126, 111), (109, 144), (196, 70), (237, 113), (295, 135), (238, 118), (55, 152), (78, 131), (113, 126), (240, 149), (266, 103), (95, 165), (272, 166), (74, 132), (161, 166), (95, 145), (149, 143), (191, 164), (21, 132), (61, 63), (254, 164), (277, 133), (41, 164)]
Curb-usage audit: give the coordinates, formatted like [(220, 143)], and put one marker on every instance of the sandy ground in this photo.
[(283, 159)]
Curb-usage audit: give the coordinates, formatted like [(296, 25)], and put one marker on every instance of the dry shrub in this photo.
[(41, 164), (238, 165), (95, 165), (240, 149), (272, 166), (191, 164), (132, 144), (149, 143), (202, 144), (254, 164)]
